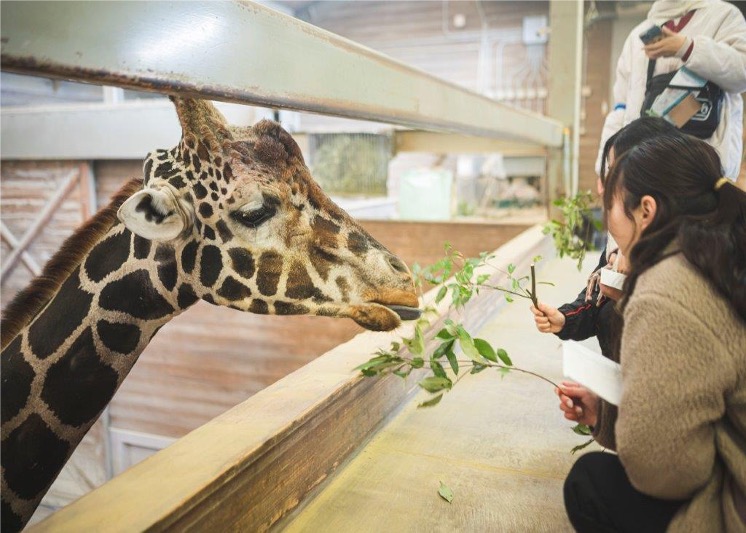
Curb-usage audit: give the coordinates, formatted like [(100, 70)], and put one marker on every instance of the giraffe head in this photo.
[(240, 222)]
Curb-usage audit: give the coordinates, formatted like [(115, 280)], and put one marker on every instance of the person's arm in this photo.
[(615, 118), (581, 315), (722, 58), (674, 388)]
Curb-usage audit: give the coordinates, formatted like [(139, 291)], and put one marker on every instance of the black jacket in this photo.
[(585, 319)]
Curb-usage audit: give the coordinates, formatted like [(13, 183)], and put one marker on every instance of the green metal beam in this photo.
[(246, 53)]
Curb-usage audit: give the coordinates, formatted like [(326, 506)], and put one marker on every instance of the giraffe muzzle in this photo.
[(405, 312)]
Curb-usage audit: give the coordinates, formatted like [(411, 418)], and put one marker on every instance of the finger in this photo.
[(536, 312), (667, 31), (571, 416)]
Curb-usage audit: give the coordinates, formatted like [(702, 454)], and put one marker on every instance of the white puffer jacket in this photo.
[(718, 31)]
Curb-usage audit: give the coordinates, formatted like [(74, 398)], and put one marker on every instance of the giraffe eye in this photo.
[(255, 217)]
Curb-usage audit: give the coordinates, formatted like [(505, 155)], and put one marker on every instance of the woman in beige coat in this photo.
[(680, 428)]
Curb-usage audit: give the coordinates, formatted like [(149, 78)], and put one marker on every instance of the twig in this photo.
[(533, 286)]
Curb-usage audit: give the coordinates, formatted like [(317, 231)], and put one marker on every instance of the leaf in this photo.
[(467, 345), (536, 259), (482, 278), (438, 369), (443, 349), (441, 294), (445, 334), (435, 400), (418, 362), (503, 372), (582, 429), (477, 368), (511, 268), (485, 349), (452, 359), (445, 492), (403, 373), (435, 384), (581, 446), (503, 355), (508, 298)]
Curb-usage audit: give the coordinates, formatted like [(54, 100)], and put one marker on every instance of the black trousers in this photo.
[(599, 498)]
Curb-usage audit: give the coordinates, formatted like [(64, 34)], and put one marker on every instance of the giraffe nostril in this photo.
[(398, 265)]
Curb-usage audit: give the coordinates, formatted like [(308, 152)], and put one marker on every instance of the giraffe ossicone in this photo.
[(231, 216)]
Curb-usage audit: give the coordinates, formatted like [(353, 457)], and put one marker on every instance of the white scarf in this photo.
[(665, 10)]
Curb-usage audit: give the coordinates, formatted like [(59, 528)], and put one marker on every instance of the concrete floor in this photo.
[(501, 445)]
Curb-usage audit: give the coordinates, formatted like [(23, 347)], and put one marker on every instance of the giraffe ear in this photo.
[(154, 214)]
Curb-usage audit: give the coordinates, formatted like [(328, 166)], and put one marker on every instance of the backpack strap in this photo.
[(651, 69)]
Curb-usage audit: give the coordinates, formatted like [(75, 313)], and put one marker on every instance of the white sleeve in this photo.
[(615, 119), (722, 58)]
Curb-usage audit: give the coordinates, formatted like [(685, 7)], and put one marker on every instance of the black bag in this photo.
[(701, 125)]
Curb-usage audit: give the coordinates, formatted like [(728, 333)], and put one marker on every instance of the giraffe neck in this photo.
[(63, 368)]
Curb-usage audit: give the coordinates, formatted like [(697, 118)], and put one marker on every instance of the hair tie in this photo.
[(719, 183)]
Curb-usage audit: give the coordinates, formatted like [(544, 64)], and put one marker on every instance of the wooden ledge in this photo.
[(251, 466)]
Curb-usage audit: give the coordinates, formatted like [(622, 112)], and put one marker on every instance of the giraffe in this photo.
[(231, 216)]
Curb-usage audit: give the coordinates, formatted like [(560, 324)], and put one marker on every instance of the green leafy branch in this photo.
[(572, 235), (463, 278)]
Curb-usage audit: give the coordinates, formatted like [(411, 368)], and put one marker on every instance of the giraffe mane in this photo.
[(31, 300)]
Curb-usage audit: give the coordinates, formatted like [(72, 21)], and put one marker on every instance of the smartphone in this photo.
[(651, 35)]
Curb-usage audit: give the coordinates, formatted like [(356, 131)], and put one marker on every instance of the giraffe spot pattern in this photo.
[(344, 288), (322, 261), (258, 307), (203, 152), (299, 284), (107, 256), (166, 258), (17, 376), (199, 191), (233, 290), (209, 299), (36, 451), (285, 308), (225, 233), (122, 338), (323, 225), (268, 273), (205, 210), (135, 295), (147, 170), (9, 520), (58, 321), (177, 182), (189, 257), (208, 233), (196, 163), (357, 243), (210, 265), (227, 172), (242, 262), (140, 246), (186, 296), (214, 196), (79, 385)]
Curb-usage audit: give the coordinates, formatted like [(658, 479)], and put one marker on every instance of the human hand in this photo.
[(667, 46), (548, 319), (578, 403)]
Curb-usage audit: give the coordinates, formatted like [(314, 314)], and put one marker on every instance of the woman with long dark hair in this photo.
[(680, 429)]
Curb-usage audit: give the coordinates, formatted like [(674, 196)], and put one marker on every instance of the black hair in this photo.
[(680, 172), (631, 135)]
